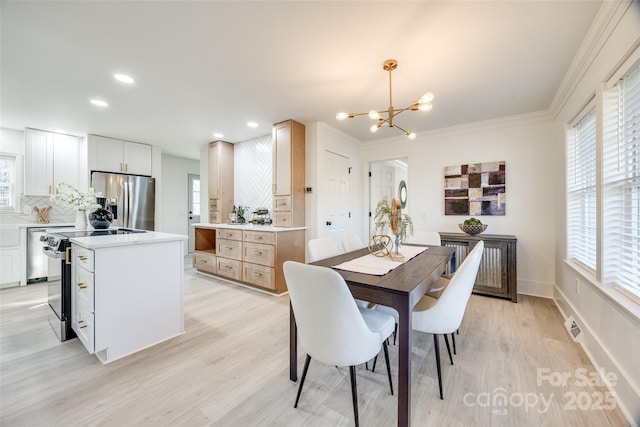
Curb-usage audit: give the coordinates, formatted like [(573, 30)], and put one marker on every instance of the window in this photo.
[(195, 197), (581, 191), (621, 182), (7, 182)]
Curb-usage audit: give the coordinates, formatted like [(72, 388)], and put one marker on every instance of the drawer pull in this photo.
[(257, 253), (82, 285), (204, 261), (82, 257), (83, 326), (257, 274)]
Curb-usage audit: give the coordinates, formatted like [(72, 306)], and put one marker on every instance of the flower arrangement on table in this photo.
[(68, 195), (389, 218)]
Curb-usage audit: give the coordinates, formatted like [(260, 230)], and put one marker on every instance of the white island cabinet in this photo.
[(127, 292)]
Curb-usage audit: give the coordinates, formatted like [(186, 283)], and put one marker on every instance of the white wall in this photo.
[(174, 194), (610, 322), (525, 144)]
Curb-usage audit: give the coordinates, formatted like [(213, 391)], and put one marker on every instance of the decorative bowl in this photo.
[(473, 229)]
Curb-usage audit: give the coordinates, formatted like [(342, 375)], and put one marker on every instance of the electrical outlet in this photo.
[(577, 287)]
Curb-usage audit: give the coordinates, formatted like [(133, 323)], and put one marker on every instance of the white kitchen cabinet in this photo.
[(9, 266), (50, 158), (116, 155), (128, 297)]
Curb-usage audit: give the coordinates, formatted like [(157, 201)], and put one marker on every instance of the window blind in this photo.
[(581, 191), (7, 181), (621, 182)]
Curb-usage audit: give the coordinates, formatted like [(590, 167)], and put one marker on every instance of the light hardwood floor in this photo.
[(230, 368)]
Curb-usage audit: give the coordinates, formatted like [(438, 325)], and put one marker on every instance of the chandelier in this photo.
[(386, 117)]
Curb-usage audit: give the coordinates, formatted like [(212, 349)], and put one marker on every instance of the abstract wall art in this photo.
[(475, 189)]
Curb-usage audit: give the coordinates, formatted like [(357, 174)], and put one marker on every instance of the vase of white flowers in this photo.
[(82, 202)]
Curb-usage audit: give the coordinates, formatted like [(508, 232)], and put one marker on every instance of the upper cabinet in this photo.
[(116, 155), (288, 174), (50, 158), (220, 181)]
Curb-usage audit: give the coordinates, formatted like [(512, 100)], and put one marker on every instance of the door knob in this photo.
[(328, 222)]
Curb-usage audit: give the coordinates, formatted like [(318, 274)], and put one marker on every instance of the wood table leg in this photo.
[(404, 363), (293, 346)]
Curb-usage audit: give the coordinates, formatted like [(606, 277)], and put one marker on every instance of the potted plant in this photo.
[(383, 220)]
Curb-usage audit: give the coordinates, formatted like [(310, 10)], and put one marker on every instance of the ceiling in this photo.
[(211, 66)]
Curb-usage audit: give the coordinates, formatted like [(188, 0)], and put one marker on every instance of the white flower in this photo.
[(68, 195)]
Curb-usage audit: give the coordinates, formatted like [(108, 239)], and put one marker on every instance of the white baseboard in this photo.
[(626, 395), (535, 289)]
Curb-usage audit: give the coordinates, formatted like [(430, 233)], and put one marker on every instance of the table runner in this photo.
[(379, 266)]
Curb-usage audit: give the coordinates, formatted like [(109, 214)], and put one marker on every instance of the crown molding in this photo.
[(607, 18)]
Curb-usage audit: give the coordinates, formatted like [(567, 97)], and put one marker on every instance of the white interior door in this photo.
[(335, 203), (194, 207), (382, 184)]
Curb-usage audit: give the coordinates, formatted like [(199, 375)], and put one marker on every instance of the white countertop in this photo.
[(39, 225), (149, 237), (252, 227)]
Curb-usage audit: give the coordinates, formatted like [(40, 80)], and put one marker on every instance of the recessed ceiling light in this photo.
[(123, 78), (218, 135), (99, 103), (252, 124)]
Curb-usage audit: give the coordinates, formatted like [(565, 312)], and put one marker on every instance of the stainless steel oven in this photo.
[(58, 247)]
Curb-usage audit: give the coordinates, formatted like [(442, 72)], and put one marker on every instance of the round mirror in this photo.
[(402, 194)]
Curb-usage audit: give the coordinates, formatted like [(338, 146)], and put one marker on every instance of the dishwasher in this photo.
[(40, 267)]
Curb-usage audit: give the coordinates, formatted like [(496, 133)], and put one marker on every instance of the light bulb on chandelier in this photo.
[(424, 103)]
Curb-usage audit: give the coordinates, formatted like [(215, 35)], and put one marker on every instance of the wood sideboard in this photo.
[(497, 275)]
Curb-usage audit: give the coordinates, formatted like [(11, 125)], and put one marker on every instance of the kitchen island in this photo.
[(127, 291), (248, 254)]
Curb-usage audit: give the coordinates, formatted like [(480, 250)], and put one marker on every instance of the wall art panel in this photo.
[(475, 189)]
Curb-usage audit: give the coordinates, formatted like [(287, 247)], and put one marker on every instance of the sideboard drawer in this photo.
[(214, 204), (257, 253), (204, 262), (214, 217), (258, 275), (223, 233), (229, 268), (281, 203), (282, 219), (265, 237), (229, 249)]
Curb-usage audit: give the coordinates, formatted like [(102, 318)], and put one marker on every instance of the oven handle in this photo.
[(52, 253)]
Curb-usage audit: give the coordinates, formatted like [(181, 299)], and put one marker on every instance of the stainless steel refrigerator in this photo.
[(131, 198)]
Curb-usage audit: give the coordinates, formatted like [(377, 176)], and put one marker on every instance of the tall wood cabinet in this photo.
[(220, 181), (50, 158), (497, 275), (288, 174)]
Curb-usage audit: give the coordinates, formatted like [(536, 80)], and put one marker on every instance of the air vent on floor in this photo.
[(574, 329)]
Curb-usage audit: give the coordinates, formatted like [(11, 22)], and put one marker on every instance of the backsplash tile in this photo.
[(253, 166), (58, 213)]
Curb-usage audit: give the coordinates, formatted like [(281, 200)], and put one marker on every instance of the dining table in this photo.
[(400, 288)]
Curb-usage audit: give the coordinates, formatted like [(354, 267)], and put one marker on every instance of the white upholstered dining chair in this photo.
[(351, 242), (331, 327), (323, 247), (444, 315)]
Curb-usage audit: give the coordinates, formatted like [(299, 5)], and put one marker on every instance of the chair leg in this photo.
[(375, 359), (386, 359), (453, 339), (354, 393), (446, 341), (395, 334), (436, 347), (304, 375)]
